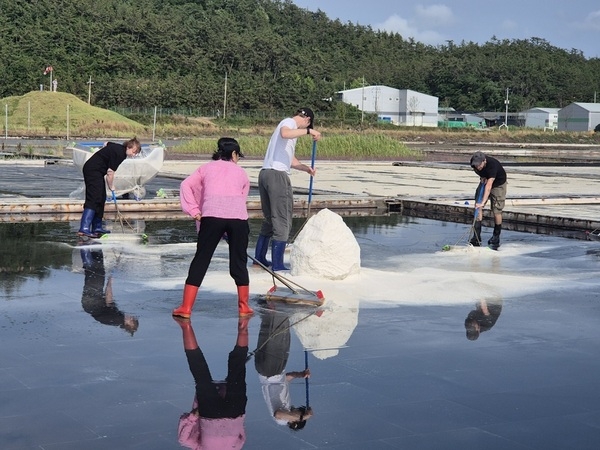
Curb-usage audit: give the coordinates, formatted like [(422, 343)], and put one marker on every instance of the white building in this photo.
[(400, 107), (546, 118), (579, 117)]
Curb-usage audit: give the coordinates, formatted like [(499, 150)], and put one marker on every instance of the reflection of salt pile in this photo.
[(324, 334), (325, 248)]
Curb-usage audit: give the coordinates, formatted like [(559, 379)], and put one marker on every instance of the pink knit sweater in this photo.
[(216, 189)]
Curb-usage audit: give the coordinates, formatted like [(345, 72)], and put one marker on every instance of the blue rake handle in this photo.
[(306, 379), (479, 197), (312, 166)]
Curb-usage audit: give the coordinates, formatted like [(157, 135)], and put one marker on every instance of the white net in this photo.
[(132, 174)]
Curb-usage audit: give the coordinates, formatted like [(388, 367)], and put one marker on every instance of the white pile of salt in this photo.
[(325, 248)]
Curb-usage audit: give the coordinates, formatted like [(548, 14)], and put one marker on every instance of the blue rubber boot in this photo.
[(277, 250), (87, 259), (85, 227), (97, 226), (260, 254)]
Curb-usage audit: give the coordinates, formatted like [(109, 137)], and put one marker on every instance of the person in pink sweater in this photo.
[(216, 420), (215, 196)]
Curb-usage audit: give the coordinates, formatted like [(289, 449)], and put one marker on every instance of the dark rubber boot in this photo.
[(262, 245), (494, 241), (87, 259), (85, 228), (277, 250), (476, 239), (97, 226)]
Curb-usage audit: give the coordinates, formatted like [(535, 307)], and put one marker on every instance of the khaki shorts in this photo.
[(498, 198)]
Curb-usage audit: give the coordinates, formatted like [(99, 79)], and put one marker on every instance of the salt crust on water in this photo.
[(325, 248)]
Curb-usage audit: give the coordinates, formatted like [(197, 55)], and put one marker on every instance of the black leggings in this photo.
[(209, 236), (95, 192)]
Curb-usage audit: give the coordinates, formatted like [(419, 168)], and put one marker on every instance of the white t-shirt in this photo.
[(276, 392), (280, 151)]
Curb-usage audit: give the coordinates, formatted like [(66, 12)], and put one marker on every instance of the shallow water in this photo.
[(390, 362)]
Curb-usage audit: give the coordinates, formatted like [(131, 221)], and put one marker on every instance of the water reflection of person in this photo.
[(270, 361), (97, 298), (216, 420), (483, 317)]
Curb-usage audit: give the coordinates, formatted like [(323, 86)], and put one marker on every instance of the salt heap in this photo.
[(325, 248), (325, 333)]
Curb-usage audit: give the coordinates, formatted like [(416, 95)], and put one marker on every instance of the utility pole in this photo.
[(506, 102), (362, 103), (225, 98), (89, 83)]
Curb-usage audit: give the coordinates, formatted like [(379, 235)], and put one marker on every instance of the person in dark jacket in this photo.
[(493, 180), (483, 317), (98, 172), (97, 297)]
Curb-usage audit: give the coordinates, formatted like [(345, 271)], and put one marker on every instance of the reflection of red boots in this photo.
[(189, 298), (189, 338), (242, 336), (243, 295)]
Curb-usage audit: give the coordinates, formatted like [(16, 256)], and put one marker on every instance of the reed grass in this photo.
[(345, 146)]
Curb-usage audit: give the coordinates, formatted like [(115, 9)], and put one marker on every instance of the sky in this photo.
[(564, 24)]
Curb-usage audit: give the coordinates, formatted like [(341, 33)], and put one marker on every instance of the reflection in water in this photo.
[(325, 332), (97, 297), (24, 253), (483, 317), (216, 420), (271, 358)]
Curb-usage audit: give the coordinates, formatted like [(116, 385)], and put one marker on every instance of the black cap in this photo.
[(477, 159), (307, 112)]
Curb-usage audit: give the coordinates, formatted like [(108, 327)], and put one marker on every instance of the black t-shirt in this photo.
[(108, 157), (486, 321), (493, 169)]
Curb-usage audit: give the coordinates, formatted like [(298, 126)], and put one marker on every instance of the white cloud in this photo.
[(509, 25), (434, 15), (397, 24), (592, 21)]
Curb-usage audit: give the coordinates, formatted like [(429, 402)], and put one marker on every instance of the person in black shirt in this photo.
[(97, 297), (102, 164), (493, 180), (483, 317)]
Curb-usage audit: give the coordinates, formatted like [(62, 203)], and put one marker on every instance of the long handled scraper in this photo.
[(293, 292)]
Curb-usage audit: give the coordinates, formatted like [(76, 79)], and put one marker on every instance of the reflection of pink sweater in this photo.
[(211, 434), (216, 189)]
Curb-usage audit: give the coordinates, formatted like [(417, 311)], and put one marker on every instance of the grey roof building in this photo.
[(579, 117), (546, 118)]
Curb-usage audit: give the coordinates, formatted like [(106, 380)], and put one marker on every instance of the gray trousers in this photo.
[(277, 202)]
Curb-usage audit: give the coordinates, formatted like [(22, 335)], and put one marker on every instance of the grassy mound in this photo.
[(60, 114)]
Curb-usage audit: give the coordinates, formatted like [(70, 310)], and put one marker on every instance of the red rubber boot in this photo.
[(242, 336), (243, 295), (189, 298)]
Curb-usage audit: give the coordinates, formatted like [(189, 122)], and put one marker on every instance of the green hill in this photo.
[(61, 114)]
